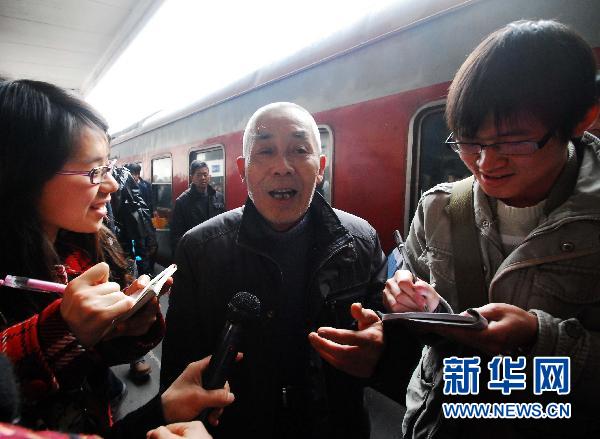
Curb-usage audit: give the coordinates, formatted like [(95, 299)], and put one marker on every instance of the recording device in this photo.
[(243, 309)]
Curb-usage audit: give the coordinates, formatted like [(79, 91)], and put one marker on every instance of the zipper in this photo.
[(558, 224), (346, 243), (544, 231)]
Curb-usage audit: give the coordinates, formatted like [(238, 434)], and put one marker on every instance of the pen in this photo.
[(25, 283), (402, 250)]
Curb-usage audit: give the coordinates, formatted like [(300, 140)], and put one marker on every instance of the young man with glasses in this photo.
[(518, 107)]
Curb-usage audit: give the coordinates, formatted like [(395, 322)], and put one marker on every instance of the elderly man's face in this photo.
[(283, 166)]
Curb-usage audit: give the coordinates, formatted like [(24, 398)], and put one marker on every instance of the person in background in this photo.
[(197, 204), (133, 222), (133, 206), (307, 263), (55, 180), (144, 187), (150, 245), (518, 109)]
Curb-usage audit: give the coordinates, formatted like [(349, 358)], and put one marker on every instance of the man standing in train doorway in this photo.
[(308, 264), (197, 204)]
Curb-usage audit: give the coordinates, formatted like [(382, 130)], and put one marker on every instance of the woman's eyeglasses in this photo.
[(97, 175)]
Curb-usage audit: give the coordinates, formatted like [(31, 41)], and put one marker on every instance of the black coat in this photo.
[(189, 211), (227, 254), (146, 193)]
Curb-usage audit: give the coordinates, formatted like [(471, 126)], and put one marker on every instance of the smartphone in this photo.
[(152, 289)]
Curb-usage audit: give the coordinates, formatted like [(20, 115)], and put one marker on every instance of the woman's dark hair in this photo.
[(40, 128), (540, 69)]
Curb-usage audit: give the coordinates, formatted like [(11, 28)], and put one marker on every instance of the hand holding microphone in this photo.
[(186, 396), (242, 310)]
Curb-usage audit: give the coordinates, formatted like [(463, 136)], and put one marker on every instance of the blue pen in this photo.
[(402, 249)]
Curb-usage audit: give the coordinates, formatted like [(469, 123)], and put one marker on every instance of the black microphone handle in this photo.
[(220, 364)]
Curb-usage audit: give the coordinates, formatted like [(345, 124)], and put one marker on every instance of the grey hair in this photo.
[(250, 126)]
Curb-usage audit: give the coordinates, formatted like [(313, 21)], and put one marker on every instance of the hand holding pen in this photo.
[(91, 304), (405, 292), (402, 249)]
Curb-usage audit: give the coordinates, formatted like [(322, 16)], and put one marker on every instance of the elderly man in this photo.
[(307, 263)]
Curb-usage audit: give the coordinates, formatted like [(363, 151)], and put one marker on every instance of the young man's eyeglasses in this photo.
[(97, 175), (524, 147)]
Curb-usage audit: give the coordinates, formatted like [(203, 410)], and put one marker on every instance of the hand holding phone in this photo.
[(152, 289)]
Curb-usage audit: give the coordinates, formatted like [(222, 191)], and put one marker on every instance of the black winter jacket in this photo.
[(227, 254), (188, 212)]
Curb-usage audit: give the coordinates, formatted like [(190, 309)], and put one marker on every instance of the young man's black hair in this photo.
[(517, 71), (197, 164)]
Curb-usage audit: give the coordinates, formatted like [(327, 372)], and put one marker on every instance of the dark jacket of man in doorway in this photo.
[(197, 204)]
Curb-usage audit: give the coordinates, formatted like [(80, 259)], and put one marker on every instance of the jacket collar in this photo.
[(577, 192), (328, 229), (565, 183), (210, 191)]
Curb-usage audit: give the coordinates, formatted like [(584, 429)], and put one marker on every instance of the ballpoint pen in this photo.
[(402, 249), (25, 283)]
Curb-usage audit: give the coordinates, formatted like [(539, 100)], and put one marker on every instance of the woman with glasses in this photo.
[(519, 240), (55, 182)]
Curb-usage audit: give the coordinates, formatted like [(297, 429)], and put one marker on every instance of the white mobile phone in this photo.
[(152, 289)]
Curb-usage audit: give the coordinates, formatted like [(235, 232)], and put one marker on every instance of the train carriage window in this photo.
[(325, 188), (162, 175), (433, 162), (215, 159)]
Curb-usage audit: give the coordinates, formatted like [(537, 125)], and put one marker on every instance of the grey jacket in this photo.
[(554, 272)]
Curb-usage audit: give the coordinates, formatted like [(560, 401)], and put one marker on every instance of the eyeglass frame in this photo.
[(90, 173), (454, 145)]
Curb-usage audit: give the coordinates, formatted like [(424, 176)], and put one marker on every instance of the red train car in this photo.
[(377, 91)]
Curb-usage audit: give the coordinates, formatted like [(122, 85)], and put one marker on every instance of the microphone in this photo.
[(243, 309)]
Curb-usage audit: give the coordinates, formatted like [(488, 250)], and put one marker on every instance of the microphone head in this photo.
[(243, 308)]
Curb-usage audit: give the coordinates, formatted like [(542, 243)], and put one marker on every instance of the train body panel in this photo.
[(366, 87)]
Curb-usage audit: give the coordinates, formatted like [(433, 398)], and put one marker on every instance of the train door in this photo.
[(162, 179)]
